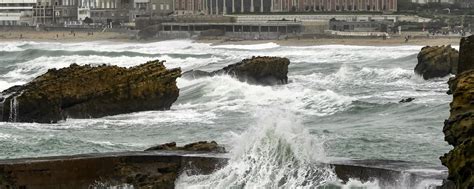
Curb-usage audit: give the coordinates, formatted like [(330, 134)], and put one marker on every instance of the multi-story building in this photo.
[(44, 12), (16, 12), (268, 6), (316, 5), (51, 12), (151, 8), (108, 11)]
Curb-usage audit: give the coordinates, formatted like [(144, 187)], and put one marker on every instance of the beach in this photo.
[(82, 36), (61, 36)]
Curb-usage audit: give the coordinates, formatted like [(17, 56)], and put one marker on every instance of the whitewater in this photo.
[(342, 102)]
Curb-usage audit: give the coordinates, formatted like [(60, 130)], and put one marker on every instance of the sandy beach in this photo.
[(78, 36), (61, 36)]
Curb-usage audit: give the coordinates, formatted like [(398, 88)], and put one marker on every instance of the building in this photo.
[(55, 12), (66, 11), (107, 12), (191, 6), (16, 12), (360, 26), (151, 8), (44, 12), (249, 6), (215, 7)]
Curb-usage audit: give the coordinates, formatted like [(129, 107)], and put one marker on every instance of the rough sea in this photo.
[(342, 102)]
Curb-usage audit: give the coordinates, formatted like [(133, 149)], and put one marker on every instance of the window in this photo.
[(161, 7), (167, 7), (153, 6)]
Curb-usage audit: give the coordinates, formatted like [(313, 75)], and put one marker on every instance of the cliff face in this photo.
[(437, 61), (459, 128), (86, 91)]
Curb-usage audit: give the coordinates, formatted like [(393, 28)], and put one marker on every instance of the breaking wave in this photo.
[(276, 152)]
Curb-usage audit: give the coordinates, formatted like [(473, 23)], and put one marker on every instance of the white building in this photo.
[(16, 12)]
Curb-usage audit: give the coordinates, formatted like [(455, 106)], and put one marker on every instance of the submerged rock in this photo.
[(437, 61), (201, 146), (406, 100), (256, 70), (87, 91), (459, 131), (466, 54)]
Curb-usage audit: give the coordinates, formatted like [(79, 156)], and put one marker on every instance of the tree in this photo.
[(88, 20)]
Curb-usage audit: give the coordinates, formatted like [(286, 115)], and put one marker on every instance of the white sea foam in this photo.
[(28, 70), (275, 152), (227, 93), (4, 136), (248, 47)]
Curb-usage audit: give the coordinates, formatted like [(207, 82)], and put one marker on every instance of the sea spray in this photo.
[(13, 117), (276, 152)]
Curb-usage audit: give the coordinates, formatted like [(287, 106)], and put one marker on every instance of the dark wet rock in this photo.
[(459, 131), (437, 61), (406, 100), (466, 54), (256, 70), (160, 169), (202, 146), (139, 169), (91, 92)]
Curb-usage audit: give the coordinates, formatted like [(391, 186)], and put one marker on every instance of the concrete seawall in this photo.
[(161, 168)]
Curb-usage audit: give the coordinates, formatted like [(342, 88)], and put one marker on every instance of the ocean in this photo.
[(341, 103)]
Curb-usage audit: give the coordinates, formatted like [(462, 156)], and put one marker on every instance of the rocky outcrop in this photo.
[(141, 170), (202, 146), (466, 54), (406, 100), (459, 131), (256, 70), (88, 91), (437, 61), (160, 169)]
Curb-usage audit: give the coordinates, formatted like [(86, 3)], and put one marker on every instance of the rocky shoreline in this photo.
[(459, 128), (90, 92), (160, 169), (86, 91)]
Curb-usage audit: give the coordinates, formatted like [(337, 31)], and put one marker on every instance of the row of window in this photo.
[(144, 6)]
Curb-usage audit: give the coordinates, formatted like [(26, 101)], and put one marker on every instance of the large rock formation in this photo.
[(87, 91), (201, 146), (466, 54), (459, 128), (459, 131), (160, 169), (257, 70), (438, 61)]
